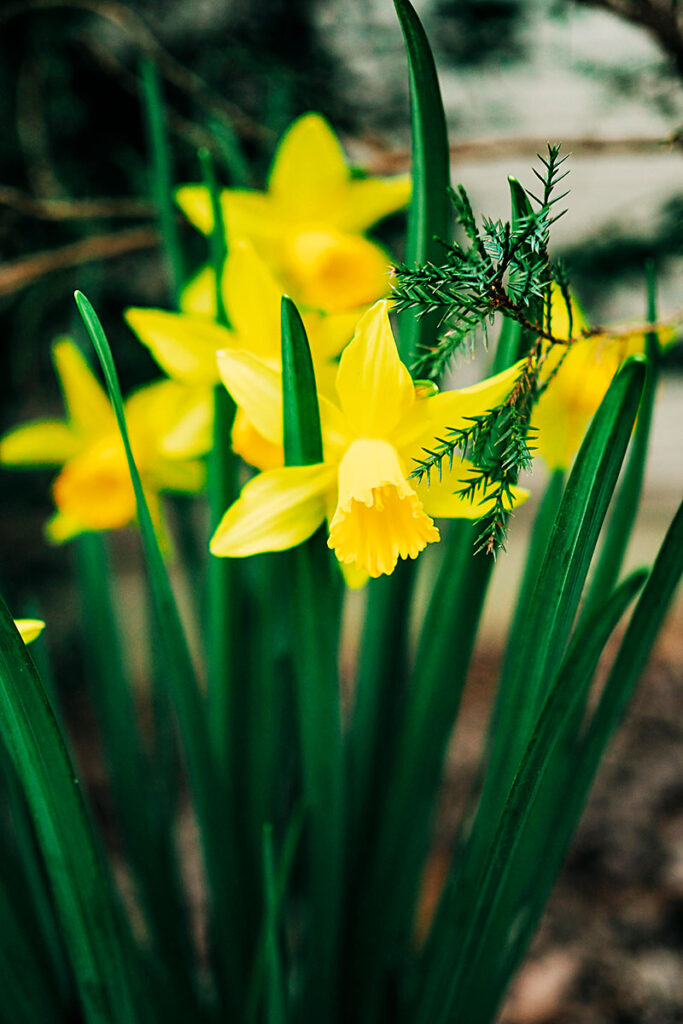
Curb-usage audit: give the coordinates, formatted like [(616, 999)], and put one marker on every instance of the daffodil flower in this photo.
[(29, 629), (379, 423), (309, 224), (578, 378), (169, 429), (185, 346)]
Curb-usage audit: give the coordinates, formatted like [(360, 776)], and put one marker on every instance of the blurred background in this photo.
[(603, 77)]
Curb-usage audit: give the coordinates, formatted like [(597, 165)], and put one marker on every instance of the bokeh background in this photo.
[(602, 76)]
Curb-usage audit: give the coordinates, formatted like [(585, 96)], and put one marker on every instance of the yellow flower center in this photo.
[(95, 489), (335, 271), (379, 517)]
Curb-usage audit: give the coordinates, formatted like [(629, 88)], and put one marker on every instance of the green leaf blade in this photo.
[(429, 216), (83, 897)]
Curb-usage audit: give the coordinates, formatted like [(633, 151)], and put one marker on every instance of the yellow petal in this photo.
[(29, 629), (565, 408), (440, 500), (171, 420), (195, 202), (256, 388), (276, 510), (559, 315), (87, 404), (184, 346), (432, 417), (254, 216), (252, 446), (374, 387), (246, 213), (379, 517), (332, 270), (43, 443), (62, 527), (329, 333), (368, 200), (252, 297), (187, 476), (198, 297), (309, 171)]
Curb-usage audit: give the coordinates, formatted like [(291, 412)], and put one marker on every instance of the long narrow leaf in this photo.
[(567, 692), (646, 621), (182, 682), (627, 498), (162, 177), (82, 895), (316, 622), (429, 216)]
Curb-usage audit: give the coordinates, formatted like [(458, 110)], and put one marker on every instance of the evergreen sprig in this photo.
[(501, 267)]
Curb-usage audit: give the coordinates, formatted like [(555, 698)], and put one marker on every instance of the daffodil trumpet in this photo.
[(377, 425)]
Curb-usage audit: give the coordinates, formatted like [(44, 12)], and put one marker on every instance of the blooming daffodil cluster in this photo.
[(308, 226), (169, 427), (377, 425)]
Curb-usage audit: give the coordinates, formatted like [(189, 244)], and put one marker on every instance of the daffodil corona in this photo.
[(370, 434), (308, 225), (169, 426)]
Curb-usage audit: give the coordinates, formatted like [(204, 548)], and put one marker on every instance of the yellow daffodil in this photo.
[(581, 375), (169, 429), (186, 346), (379, 423), (309, 224), (29, 629)]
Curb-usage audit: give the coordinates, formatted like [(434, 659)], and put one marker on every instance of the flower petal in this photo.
[(329, 333), (42, 443), (252, 446), (198, 297), (252, 297), (87, 404), (309, 171), (170, 420), (375, 388), (368, 200), (276, 510), (433, 417), (440, 500), (29, 629), (256, 388), (195, 202), (184, 346)]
